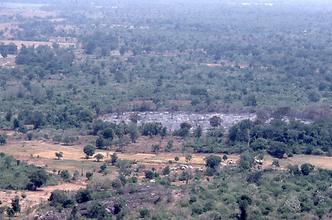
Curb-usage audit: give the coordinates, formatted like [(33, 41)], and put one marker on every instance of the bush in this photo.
[(306, 169), (277, 149), (65, 175), (89, 151), (60, 198), (96, 210), (149, 174), (144, 212), (3, 140), (83, 195)]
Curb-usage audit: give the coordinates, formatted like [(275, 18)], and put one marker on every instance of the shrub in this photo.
[(83, 195), (306, 169), (144, 212)]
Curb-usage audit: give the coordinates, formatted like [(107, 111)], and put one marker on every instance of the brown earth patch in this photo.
[(34, 198)]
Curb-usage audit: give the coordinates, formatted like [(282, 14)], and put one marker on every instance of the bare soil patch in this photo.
[(33, 198), (323, 162)]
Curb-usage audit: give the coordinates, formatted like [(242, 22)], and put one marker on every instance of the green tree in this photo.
[(198, 132), (169, 146), (37, 179), (89, 151), (108, 133), (149, 174), (100, 143), (16, 123), (215, 121), (166, 171), (99, 157), (83, 195), (16, 204), (58, 155), (306, 169), (247, 161), (155, 148), (133, 133), (114, 159), (277, 149), (65, 175), (3, 140), (244, 201), (212, 161)]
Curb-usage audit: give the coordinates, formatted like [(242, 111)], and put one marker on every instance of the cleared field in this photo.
[(30, 199), (43, 154), (317, 161)]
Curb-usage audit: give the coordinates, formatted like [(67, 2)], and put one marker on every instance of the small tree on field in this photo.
[(169, 146), (155, 148), (99, 157), (198, 132), (3, 140), (114, 159), (58, 155), (37, 179), (189, 157), (89, 151), (306, 169), (215, 121), (133, 133), (16, 204), (213, 161), (225, 157)]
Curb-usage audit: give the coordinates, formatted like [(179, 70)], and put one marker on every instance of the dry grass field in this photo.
[(30, 199), (317, 161), (43, 153)]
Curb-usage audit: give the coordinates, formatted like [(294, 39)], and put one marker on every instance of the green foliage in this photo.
[(83, 195), (99, 157), (151, 129), (96, 210), (3, 140), (246, 161), (306, 169), (49, 60), (215, 121), (65, 175), (114, 158), (89, 150), (61, 198), (144, 212), (149, 174), (16, 204), (37, 178), (17, 175), (184, 130), (212, 162)]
